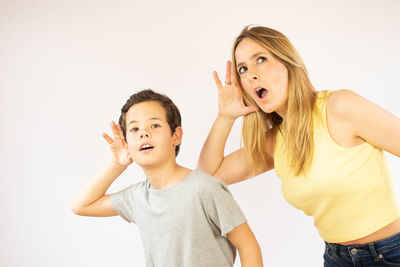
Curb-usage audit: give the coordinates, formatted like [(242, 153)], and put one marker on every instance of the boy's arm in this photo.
[(91, 200), (245, 242)]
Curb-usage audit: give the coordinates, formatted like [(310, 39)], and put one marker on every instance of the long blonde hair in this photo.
[(301, 98)]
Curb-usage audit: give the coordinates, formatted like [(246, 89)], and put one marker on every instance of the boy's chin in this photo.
[(147, 164), (154, 160)]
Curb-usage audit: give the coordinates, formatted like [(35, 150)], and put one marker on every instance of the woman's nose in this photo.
[(254, 76)]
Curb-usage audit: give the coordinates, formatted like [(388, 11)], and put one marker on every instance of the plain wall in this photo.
[(67, 67)]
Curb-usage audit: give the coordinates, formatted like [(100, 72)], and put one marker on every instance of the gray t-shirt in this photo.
[(184, 224)]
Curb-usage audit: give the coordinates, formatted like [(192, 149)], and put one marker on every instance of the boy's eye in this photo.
[(155, 125), (261, 59), (242, 70)]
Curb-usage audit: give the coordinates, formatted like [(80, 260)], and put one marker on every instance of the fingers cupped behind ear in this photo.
[(108, 138), (217, 80), (115, 131), (228, 73), (120, 131)]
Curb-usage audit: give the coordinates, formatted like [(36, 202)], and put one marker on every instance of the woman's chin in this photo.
[(267, 108)]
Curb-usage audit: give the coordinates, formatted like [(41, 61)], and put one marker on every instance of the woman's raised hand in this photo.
[(230, 98), (119, 149)]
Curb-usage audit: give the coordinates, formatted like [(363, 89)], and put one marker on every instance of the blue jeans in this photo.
[(384, 252)]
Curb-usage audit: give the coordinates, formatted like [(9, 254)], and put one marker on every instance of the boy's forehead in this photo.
[(146, 110)]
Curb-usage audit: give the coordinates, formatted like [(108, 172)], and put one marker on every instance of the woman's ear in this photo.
[(177, 136)]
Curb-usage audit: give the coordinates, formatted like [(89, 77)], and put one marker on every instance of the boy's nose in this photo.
[(142, 135)]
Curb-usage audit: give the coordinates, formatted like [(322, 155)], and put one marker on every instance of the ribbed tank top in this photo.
[(348, 191)]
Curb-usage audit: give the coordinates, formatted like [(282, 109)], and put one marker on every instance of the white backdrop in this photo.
[(67, 67)]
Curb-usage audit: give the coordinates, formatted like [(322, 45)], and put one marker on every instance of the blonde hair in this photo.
[(301, 97)]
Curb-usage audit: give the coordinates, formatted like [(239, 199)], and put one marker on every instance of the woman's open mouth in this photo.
[(261, 92)]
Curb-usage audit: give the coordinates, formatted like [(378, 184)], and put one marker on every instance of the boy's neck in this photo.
[(166, 175)]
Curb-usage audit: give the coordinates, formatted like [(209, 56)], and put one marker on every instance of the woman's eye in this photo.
[(242, 70), (261, 59), (155, 125)]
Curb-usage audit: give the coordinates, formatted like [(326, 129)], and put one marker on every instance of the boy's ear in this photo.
[(177, 136)]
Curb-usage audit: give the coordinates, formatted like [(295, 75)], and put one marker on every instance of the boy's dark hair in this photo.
[(172, 112)]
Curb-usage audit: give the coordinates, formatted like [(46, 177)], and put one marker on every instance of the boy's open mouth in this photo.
[(261, 92), (146, 147)]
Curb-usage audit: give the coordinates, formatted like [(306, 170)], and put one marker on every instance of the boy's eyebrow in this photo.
[(149, 119), (253, 56)]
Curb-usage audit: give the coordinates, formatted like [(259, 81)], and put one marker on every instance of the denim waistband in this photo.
[(374, 248)]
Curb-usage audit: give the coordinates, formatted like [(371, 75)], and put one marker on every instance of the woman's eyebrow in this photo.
[(251, 57)]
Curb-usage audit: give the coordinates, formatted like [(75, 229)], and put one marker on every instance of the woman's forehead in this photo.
[(247, 49)]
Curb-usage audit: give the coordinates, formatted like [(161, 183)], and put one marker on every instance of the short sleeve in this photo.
[(223, 210), (123, 203)]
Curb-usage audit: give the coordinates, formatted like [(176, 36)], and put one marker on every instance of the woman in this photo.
[(327, 148)]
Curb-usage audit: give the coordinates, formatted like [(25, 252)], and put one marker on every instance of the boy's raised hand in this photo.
[(230, 98), (119, 149)]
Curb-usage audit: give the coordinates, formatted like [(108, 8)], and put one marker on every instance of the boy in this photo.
[(185, 217)]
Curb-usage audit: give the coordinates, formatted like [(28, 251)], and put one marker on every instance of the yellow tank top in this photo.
[(348, 191)]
